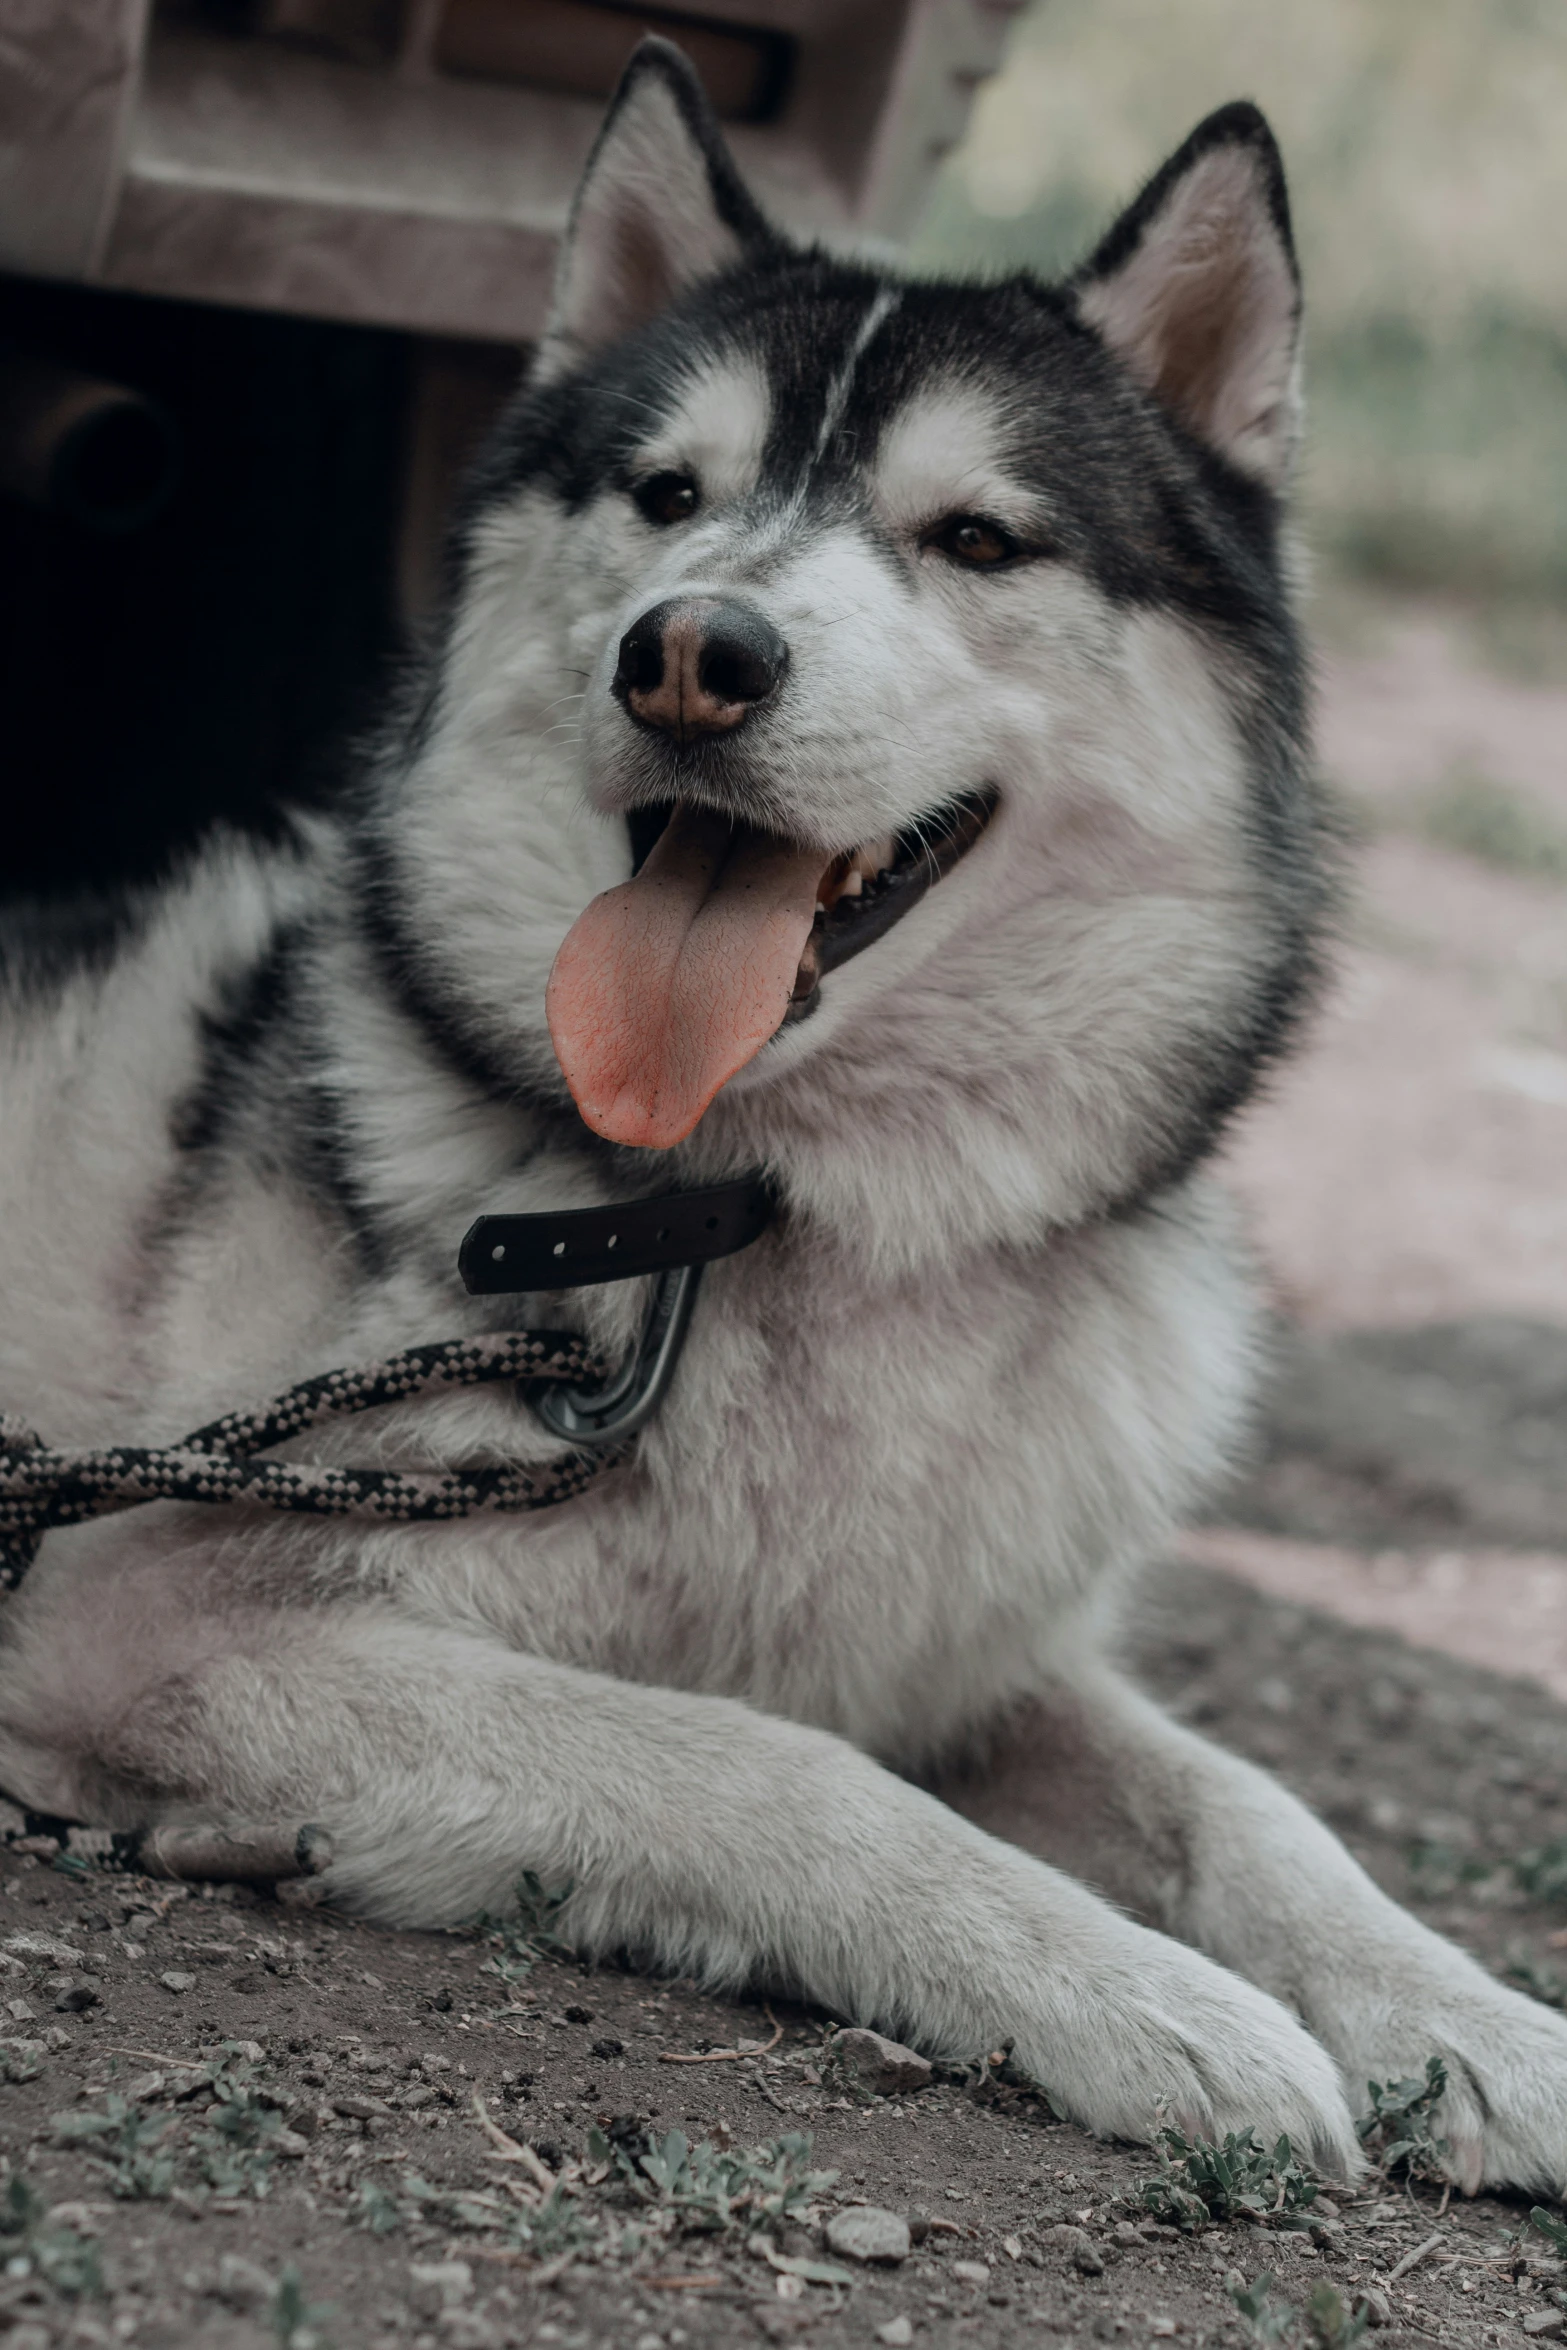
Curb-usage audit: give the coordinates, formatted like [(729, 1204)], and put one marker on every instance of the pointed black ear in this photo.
[(660, 206), (1196, 290)]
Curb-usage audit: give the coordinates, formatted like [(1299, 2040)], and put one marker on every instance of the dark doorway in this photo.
[(214, 662)]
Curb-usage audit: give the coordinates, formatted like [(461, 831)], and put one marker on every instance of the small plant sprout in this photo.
[(64, 2260), (1398, 2131), (126, 2144), (1267, 2319), (1199, 2182), (1324, 2324), (1330, 2324), (146, 2156), (707, 2189), (234, 2156), (529, 1934), (1546, 2224), (1541, 1872), (376, 2209), (296, 2323)]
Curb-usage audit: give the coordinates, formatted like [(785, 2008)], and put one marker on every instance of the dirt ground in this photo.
[(373, 2048), (234, 2122)]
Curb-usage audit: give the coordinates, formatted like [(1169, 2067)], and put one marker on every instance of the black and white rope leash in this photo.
[(43, 1486)]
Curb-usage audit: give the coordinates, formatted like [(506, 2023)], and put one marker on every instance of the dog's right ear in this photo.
[(1195, 289), (660, 207)]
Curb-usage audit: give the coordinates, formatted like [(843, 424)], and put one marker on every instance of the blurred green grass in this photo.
[(1480, 817), (1426, 142)]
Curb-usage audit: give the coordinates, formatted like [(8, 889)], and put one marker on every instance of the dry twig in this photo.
[(1413, 2259), (729, 2055), (180, 2064), (509, 2149)]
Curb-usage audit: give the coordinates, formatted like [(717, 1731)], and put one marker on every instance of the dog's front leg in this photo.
[(1094, 1778), (717, 1840)]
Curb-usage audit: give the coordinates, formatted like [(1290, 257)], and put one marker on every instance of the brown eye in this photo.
[(667, 497), (968, 538)]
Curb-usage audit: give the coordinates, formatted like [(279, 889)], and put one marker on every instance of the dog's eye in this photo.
[(667, 497), (969, 538)]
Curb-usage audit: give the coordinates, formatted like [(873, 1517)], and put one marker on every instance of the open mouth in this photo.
[(668, 985), (864, 894)]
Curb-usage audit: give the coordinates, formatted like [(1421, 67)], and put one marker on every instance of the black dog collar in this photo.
[(674, 1236), (577, 1246)]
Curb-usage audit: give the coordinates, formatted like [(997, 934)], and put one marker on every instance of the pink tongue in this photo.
[(668, 985)]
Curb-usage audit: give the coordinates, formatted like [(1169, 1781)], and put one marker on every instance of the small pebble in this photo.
[(177, 1982), (439, 2285), (865, 2233), (243, 2284), (885, 2067), (1078, 2247), (971, 2272), (897, 2332)]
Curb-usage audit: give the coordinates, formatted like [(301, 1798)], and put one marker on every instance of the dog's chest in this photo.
[(881, 1510)]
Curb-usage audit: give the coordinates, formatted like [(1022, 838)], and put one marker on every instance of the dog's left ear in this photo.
[(1196, 290), (660, 207)]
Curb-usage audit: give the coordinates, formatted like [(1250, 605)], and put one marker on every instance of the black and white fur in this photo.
[(820, 1689)]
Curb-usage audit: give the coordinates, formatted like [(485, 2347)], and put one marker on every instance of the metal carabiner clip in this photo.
[(604, 1415)]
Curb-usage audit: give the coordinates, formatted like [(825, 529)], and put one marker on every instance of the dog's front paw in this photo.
[(1160, 2026), (1504, 2114)]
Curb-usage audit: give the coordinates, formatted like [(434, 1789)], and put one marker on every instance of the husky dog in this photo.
[(785, 586)]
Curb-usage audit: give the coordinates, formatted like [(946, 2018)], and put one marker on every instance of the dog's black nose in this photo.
[(699, 664)]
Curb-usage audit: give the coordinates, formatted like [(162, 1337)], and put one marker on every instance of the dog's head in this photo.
[(923, 650)]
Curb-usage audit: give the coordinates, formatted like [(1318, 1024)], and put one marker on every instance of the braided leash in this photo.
[(41, 1487)]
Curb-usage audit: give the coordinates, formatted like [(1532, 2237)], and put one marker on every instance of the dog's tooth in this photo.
[(875, 857)]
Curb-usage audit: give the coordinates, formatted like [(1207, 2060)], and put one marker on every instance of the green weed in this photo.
[(708, 2189), (1325, 2323), (1546, 2224), (530, 1934), (141, 2154), (1332, 2325), (560, 2224), (233, 2156), (127, 2144), (1200, 2182), (65, 2260), (1268, 2319), (1541, 1872), (296, 2323), (1397, 2132), (376, 2209)]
